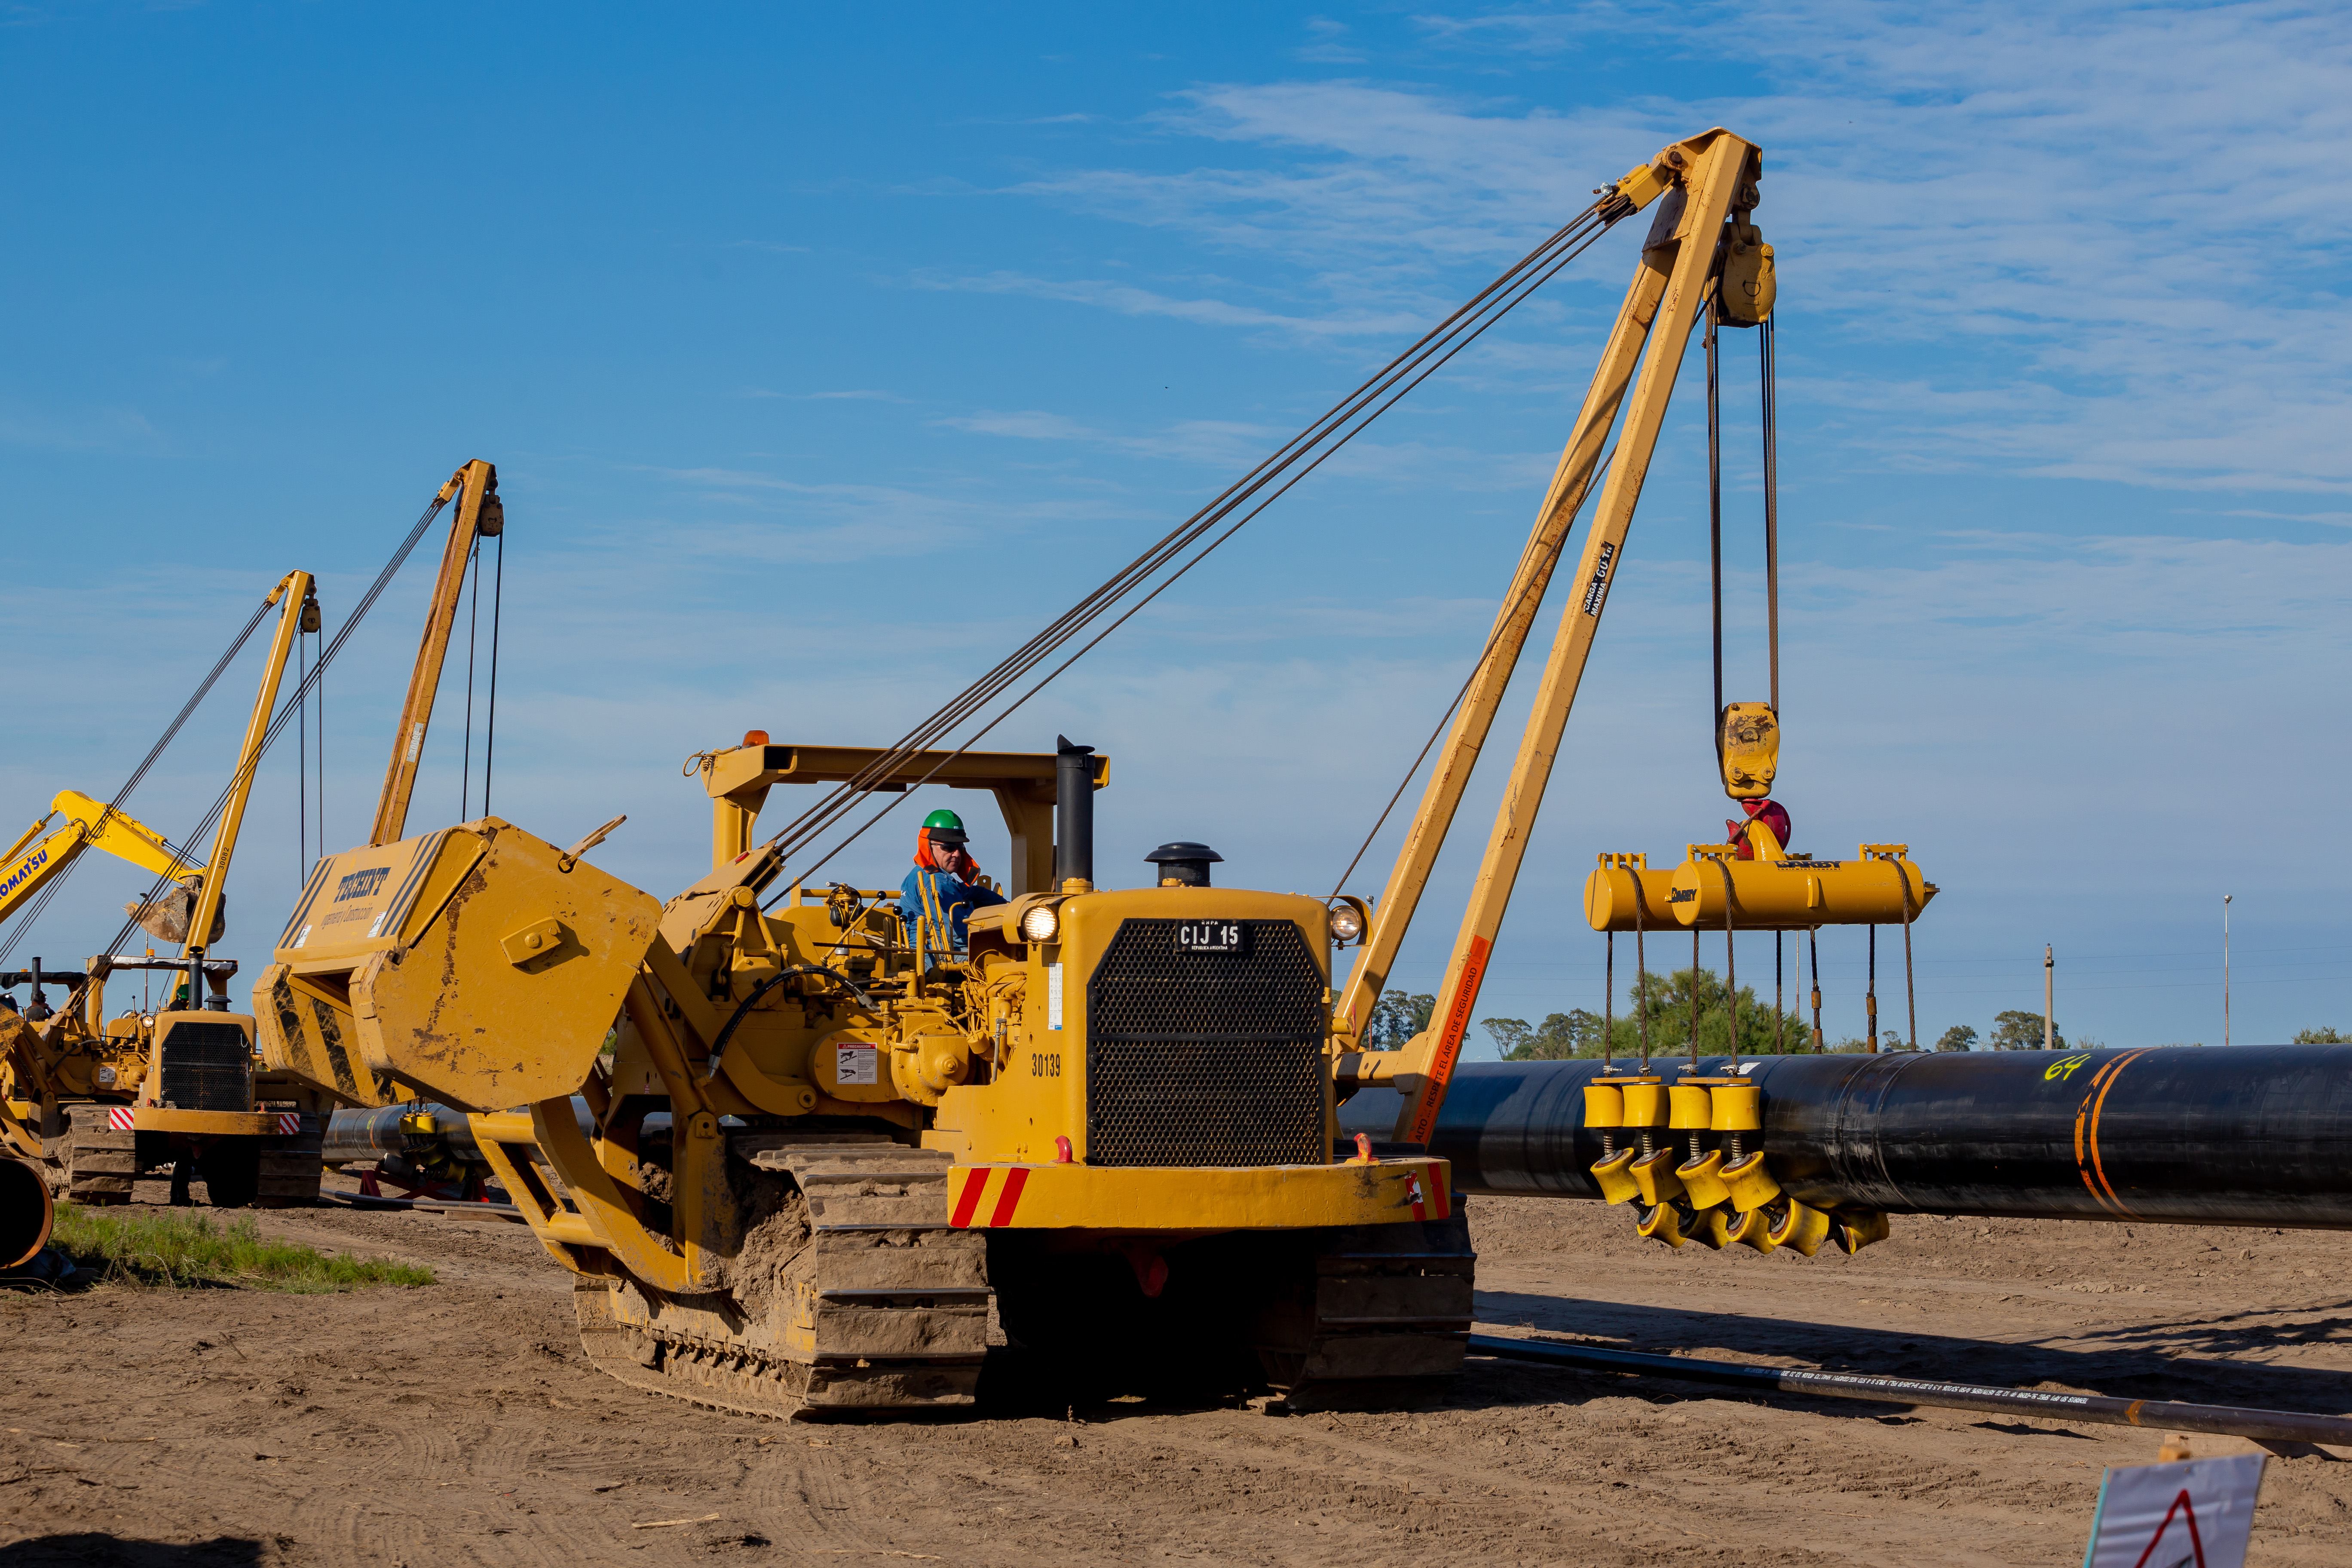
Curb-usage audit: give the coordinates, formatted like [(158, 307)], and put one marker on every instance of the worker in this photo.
[(1773, 817), (946, 885)]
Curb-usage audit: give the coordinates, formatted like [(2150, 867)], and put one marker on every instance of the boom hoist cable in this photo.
[(171, 732), (288, 709), (1166, 561)]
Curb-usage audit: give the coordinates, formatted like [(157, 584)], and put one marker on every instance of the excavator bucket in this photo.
[(165, 917), (477, 966)]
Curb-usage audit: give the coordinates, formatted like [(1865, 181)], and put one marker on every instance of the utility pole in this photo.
[(2049, 995), (2225, 969)]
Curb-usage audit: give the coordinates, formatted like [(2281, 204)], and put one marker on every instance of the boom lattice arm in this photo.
[(1709, 175)]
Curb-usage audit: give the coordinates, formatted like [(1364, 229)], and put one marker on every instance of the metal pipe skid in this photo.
[(2246, 1135)]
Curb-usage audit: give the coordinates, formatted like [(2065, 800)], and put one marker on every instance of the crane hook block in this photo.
[(1748, 284), (1749, 744)]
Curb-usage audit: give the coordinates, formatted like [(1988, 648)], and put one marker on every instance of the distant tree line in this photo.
[(1399, 1015)]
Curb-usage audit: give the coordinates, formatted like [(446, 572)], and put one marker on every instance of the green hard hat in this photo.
[(947, 827)]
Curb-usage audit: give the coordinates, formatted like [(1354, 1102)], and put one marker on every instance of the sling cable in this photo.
[(1695, 1167)]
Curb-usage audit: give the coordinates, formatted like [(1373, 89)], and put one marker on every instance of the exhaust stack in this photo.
[(1073, 816)]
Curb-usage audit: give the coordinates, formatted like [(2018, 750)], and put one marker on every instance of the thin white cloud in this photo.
[(2100, 244), (1217, 441), (767, 519), (1127, 299)]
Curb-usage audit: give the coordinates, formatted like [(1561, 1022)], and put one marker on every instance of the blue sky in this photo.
[(825, 357)]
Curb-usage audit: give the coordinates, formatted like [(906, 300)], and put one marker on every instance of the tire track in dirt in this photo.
[(460, 1424)]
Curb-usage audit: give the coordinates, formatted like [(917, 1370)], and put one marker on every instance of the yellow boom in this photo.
[(89, 824)]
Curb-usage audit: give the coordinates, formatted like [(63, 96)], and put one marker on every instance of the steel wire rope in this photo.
[(286, 709), (1419, 371), (1177, 539), (1715, 513), (979, 695), (171, 732), (491, 723), (1767, 352), (301, 775), (1730, 963), (473, 630), (1493, 637), (1330, 432)]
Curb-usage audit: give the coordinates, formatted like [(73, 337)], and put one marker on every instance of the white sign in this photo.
[(2197, 1514), (1053, 997), (856, 1064)]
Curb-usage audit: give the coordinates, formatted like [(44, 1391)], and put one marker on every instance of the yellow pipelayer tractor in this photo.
[(1110, 1108), (826, 1136), (100, 1100)]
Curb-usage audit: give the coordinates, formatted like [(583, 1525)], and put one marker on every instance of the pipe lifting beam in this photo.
[(2255, 1135)]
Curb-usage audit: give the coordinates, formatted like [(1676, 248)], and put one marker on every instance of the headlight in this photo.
[(1040, 923), (1347, 925)]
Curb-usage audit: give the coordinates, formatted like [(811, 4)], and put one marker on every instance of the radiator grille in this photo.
[(207, 1066), (1205, 1059)]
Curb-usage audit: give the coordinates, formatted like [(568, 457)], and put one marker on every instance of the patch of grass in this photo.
[(186, 1247)]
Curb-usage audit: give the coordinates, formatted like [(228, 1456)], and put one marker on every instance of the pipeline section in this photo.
[(2227, 1420), (433, 1132), (27, 1213), (2245, 1136)]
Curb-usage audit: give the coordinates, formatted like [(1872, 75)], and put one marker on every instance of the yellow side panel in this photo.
[(481, 1023)]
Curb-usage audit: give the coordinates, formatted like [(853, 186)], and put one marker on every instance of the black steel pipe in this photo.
[(1074, 812), (26, 1213), (2244, 1135), (2229, 1420), (353, 1137)]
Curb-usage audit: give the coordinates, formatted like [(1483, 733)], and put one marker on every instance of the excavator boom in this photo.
[(89, 824)]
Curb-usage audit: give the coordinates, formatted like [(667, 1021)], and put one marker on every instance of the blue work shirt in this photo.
[(950, 896)]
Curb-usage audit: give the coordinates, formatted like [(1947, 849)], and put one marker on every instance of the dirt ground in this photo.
[(460, 1424)]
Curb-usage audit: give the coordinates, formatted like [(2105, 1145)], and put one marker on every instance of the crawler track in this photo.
[(883, 1307)]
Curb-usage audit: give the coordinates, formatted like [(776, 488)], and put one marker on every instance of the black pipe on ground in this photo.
[(2245, 1136), (26, 1213), (2228, 1420), (355, 1136)]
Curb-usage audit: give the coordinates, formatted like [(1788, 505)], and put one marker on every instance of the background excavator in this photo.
[(827, 1139)]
